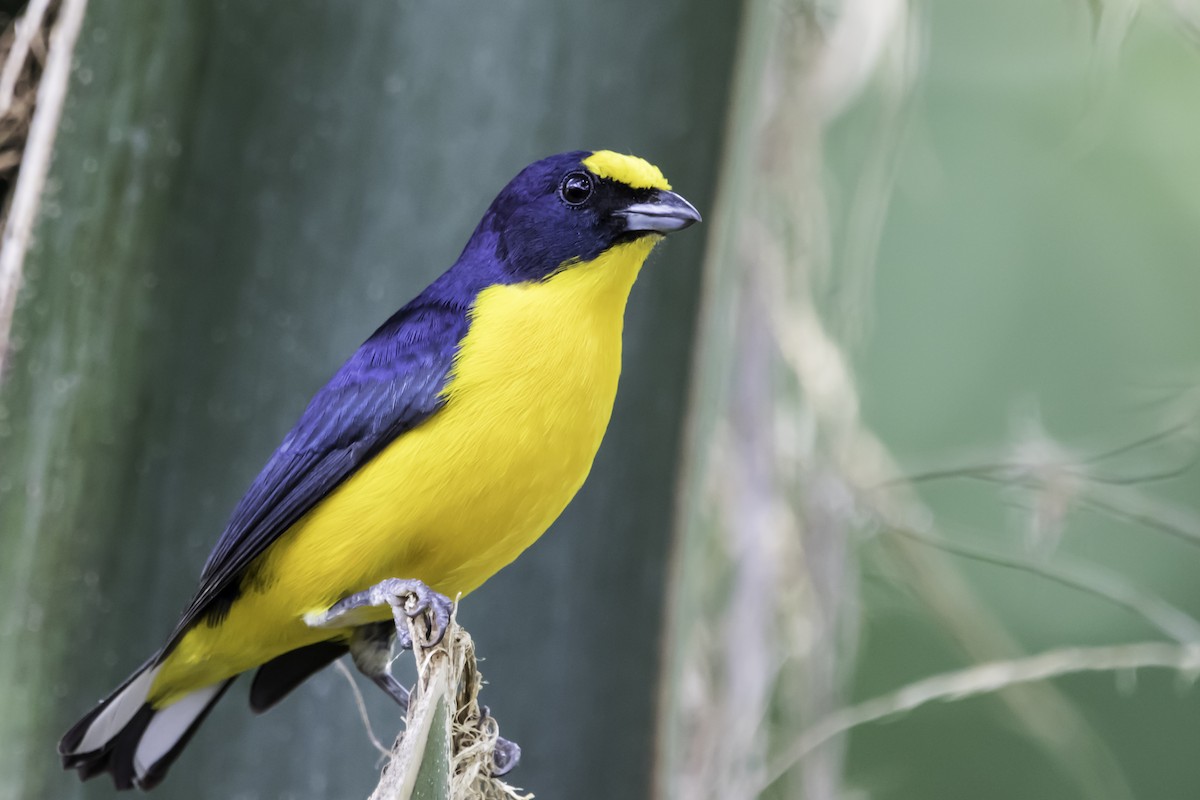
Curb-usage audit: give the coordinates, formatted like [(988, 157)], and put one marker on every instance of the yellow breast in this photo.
[(460, 496)]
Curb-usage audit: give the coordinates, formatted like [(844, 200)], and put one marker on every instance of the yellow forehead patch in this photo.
[(629, 170)]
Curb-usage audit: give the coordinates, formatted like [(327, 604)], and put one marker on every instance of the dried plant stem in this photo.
[(447, 674), (35, 162), (25, 30), (986, 679)]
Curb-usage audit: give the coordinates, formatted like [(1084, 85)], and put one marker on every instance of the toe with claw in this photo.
[(411, 600), (505, 757), (408, 598), (506, 754)]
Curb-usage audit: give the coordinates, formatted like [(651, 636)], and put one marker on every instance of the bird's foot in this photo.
[(505, 757), (506, 754), (409, 599), (371, 650)]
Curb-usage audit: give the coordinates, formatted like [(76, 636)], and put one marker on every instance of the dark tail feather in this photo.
[(279, 676), (88, 745), (133, 741)]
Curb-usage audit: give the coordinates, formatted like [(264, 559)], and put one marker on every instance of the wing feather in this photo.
[(392, 383)]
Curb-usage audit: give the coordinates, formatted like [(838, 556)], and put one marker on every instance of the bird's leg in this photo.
[(408, 598), (371, 649)]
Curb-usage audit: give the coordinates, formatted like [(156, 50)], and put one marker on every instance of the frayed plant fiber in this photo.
[(448, 674)]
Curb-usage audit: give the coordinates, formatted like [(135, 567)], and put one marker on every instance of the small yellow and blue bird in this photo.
[(445, 446)]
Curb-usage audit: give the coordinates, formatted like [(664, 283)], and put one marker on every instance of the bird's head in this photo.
[(574, 206)]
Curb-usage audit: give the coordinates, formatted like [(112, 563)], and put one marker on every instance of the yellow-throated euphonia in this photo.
[(446, 444)]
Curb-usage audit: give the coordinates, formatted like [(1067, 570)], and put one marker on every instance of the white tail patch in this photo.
[(117, 713), (169, 725)]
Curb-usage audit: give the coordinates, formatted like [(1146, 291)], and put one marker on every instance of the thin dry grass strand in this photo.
[(361, 704), (1160, 437), (1009, 470), (989, 678), (1168, 619), (1156, 515), (1153, 519)]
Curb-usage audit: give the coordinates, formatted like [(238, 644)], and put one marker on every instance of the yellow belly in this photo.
[(460, 496)]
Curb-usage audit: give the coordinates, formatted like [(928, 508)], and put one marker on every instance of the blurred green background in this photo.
[(1038, 275), (995, 220)]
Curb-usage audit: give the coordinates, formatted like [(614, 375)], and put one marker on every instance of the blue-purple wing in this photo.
[(390, 385)]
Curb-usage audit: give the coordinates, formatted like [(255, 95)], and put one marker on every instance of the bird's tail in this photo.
[(127, 737)]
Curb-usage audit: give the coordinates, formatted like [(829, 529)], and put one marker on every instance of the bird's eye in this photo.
[(576, 188)]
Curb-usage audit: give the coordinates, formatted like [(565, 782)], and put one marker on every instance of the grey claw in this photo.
[(441, 621), (420, 607), (420, 599)]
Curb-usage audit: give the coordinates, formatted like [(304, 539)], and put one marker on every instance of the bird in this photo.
[(444, 446)]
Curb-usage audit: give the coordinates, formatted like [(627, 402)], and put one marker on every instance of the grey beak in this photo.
[(663, 213)]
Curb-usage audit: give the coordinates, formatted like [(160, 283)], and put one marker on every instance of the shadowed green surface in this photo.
[(433, 775), (243, 191)]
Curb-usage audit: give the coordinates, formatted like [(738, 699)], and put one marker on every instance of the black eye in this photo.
[(576, 188)]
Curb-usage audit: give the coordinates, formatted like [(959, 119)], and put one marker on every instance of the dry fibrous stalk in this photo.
[(23, 48)]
